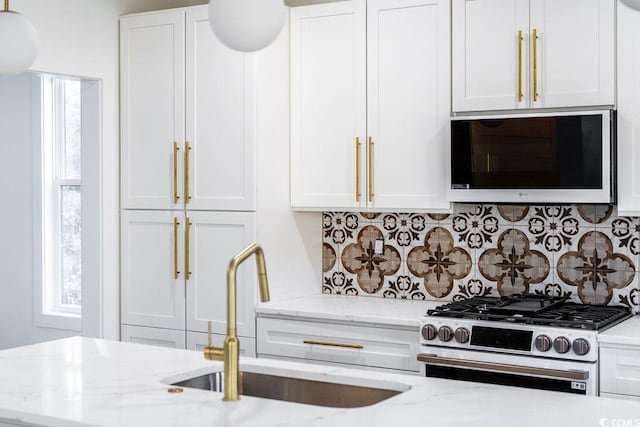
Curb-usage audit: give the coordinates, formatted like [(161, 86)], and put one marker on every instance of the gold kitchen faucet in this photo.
[(230, 352)]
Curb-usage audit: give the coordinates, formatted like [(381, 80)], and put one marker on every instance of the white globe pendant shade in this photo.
[(633, 4), (246, 25), (18, 43)]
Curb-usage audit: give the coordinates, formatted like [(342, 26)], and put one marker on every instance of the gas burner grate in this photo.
[(535, 310)]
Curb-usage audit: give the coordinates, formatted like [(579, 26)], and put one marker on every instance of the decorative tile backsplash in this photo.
[(584, 251)]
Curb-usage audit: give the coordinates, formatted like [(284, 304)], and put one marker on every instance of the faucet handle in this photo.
[(214, 353)]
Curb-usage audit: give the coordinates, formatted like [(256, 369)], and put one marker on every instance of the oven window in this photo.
[(525, 381), (563, 152)]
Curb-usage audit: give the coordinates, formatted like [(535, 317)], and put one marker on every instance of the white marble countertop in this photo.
[(625, 333), (83, 381), (350, 309)]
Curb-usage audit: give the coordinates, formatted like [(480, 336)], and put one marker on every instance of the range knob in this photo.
[(543, 343), (429, 332), (561, 345), (580, 347), (445, 333), (462, 335)]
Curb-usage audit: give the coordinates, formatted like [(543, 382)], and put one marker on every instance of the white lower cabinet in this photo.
[(620, 371), (152, 336), (198, 341), (374, 346), (173, 277)]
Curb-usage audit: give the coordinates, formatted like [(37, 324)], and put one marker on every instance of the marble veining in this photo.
[(83, 381)]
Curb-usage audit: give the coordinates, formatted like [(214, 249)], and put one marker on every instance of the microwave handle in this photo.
[(432, 359)]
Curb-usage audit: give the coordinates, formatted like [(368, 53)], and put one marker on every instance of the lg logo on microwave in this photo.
[(619, 422)]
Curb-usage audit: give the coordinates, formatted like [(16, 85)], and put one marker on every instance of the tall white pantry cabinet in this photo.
[(187, 179)]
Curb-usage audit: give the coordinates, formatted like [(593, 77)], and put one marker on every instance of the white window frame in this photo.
[(48, 310)]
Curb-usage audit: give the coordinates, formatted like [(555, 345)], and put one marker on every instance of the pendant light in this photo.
[(18, 42), (633, 4), (246, 25)]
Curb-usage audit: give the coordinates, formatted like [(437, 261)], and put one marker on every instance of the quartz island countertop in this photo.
[(84, 381)]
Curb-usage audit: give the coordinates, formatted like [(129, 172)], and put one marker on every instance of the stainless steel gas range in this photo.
[(523, 340)]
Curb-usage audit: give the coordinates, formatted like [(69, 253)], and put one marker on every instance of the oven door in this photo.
[(510, 370)]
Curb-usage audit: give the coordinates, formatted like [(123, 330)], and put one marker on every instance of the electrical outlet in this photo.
[(379, 247)]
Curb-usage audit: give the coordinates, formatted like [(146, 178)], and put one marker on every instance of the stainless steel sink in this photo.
[(336, 395)]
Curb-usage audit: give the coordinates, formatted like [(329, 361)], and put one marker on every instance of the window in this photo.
[(61, 201)]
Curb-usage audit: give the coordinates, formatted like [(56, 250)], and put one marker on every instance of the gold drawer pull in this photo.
[(333, 344), (176, 273), (520, 94), (187, 166), (175, 173), (535, 65)]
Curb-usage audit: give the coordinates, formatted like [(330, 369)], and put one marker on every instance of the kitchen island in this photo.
[(84, 381)]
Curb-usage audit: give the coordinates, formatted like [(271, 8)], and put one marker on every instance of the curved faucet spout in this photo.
[(230, 352)]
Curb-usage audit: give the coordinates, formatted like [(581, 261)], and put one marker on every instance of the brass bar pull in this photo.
[(187, 153), (187, 266), (520, 38), (333, 344), (175, 172), (358, 144), (535, 65), (502, 368), (370, 169), (176, 273)]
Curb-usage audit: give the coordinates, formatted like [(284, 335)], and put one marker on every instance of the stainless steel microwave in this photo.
[(566, 157)]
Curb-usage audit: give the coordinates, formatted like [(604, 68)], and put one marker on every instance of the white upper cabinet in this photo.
[(532, 54), (328, 104), (219, 121), (187, 115), (487, 74), (369, 104), (408, 80), (628, 111), (152, 109)]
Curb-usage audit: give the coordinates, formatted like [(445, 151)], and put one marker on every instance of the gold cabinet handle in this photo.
[(535, 65), (333, 344), (358, 144), (370, 183), (187, 153), (175, 173), (520, 38), (176, 273), (187, 233)]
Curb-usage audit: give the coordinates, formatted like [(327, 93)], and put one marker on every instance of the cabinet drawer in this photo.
[(620, 371), (349, 344), (152, 336)]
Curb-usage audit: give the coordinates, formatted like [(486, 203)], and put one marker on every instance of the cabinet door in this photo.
[(152, 275), (220, 109), (328, 105), (408, 80), (153, 336), (487, 74), (215, 238), (628, 111), (152, 109), (575, 52)]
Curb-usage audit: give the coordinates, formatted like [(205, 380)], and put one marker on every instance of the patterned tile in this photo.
[(584, 251), (475, 285), (438, 262), (369, 268), (513, 265), (512, 214)]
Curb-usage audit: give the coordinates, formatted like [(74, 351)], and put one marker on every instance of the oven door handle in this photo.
[(498, 367)]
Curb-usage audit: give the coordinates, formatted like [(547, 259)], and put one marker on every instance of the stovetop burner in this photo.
[(536, 310)]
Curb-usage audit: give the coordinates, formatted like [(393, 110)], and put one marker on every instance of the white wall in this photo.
[(80, 38), (16, 215), (292, 240)]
